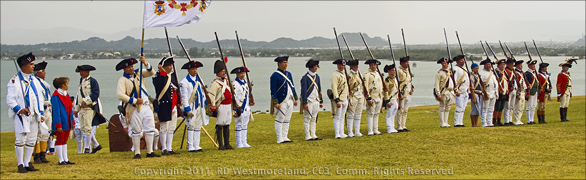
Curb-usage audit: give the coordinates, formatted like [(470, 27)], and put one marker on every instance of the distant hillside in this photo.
[(129, 44)]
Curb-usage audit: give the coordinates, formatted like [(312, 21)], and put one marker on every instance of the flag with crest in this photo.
[(172, 13)]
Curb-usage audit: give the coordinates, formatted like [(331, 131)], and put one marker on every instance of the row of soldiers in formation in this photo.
[(36, 114)]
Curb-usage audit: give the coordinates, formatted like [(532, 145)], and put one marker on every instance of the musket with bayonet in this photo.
[(366, 94), (385, 88), (451, 67), (501, 88), (235, 106), (244, 65), (174, 74), (539, 54), (468, 70), (482, 85)]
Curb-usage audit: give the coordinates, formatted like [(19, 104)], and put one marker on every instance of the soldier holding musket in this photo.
[(391, 96), (490, 87), (532, 91), (356, 99), (519, 100), (512, 93), (194, 102), (166, 86), (407, 89), (544, 91), (43, 136), (374, 86), (462, 86), (444, 88), (503, 92), (340, 92)]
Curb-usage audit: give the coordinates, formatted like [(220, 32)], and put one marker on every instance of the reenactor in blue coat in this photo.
[(311, 98), (166, 87), (88, 104), (283, 97)]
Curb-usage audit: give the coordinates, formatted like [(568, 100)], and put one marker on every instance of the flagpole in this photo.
[(141, 54)]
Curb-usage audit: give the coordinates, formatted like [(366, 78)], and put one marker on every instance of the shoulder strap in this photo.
[(286, 78), (165, 88)]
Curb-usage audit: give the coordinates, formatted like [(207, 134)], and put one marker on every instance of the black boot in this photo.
[(543, 119), (38, 159), (227, 137), (21, 169), (494, 122), (43, 157), (498, 121), (566, 115), (219, 137), (562, 114), (540, 119)]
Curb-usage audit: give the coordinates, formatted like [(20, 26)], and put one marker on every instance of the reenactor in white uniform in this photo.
[(407, 89), (356, 98), (311, 98), (283, 98), (513, 87), (462, 86), (476, 109), (194, 102), (221, 101), (24, 98), (391, 96), (532, 91), (340, 91), (43, 136), (444, 91), (519, 100), (490, 87), (138, 109), (87, 104), (374, 86), (564, 88), (241, 93)]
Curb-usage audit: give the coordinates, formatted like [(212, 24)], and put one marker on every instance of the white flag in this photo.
[(171, 13)]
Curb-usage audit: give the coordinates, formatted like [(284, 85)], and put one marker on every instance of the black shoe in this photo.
[(96, 149), (87, 151), (172, 152), (38, 159), (42, 157), (318, 138), (165, 153), (21, 169), (193, 151), (30, 167), (137, 156), (69, 163), (152, 154), (406, 130), (400, 130), (62, 163), (199, 150)]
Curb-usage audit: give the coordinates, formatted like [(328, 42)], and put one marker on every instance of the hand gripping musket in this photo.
[(513, 74), (235, 106), (244, 65), (206, 95), (471, 89), (179, 112), (451, 67), (371, 56), (482, 85), (491, 68), (366, 94), (393, 57)]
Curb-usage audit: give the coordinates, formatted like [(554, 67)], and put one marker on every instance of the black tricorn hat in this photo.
[(501, 61), (569, 62), (166, 61), (444, 59), (542, 65), (352, 62), (310, 63), (84, 68), (282, 58), (25, 59), (239, 70), (458, 57), (218, 66), (192, 64), (510, 60), (370, 61), (487, 60), (404, 59), (389, 67), (531, 62), (125, 63), (518, 62), (339, 61), (40, 66)]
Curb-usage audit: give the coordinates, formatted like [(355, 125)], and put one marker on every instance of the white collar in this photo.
[(192, 77), (351, 70), (311, 73), (62, 92)]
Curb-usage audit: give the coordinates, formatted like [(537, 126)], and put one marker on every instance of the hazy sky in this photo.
[(31, 22)]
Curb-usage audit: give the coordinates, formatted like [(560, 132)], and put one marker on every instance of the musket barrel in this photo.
[(244, 65), (234, 105), (539, 54)]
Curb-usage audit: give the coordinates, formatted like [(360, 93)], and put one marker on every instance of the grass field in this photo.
[(554, 150)]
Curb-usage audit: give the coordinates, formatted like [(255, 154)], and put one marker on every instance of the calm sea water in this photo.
[(261, 69)]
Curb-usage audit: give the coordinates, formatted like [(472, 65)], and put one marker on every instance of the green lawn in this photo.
[(553, 150)]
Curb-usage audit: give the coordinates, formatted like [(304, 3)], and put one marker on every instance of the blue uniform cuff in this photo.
[(131, 101), (187, 109), (16, 108)]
